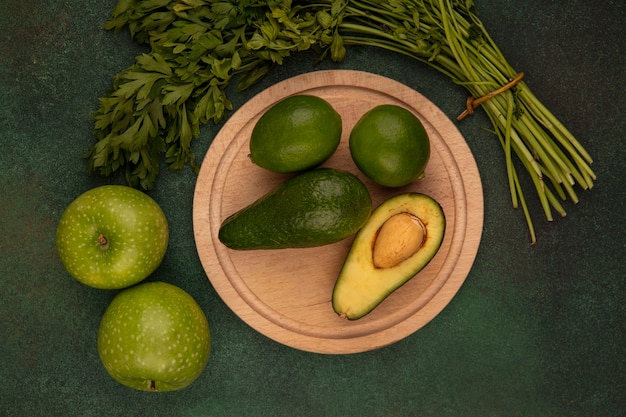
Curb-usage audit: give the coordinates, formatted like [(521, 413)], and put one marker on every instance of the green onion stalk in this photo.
[(198, 47)]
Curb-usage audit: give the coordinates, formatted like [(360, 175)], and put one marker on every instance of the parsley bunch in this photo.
[(157, 105), (197, 47)]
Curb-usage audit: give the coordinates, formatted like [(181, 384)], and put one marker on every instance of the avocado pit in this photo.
[(399, 238)]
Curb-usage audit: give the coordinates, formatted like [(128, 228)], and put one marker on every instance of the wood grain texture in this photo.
[(286, 294)]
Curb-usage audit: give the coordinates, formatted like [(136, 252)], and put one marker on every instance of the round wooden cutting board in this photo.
[(286, 294)]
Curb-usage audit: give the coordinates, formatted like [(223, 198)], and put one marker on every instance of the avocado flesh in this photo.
[(315, 208), (361, 286)]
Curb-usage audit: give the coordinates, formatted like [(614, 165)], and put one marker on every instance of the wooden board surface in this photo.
[(286, 294)]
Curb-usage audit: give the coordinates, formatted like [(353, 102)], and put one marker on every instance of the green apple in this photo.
[(112, 237), (154, 337)]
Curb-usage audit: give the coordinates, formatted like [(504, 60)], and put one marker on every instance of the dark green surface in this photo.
[(534, 331)]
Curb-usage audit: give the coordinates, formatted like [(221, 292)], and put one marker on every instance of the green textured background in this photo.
[(534, 331)]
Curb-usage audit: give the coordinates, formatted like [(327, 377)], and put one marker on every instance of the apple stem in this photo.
[(152, 386), (103, 242)]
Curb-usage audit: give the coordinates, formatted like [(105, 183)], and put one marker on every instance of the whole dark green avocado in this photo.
[(314, 208)]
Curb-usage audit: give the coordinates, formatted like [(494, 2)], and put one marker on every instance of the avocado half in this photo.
[(399, 239)]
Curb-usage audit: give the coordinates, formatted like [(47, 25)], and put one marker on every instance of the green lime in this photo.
[(295, 134), (390, 145)]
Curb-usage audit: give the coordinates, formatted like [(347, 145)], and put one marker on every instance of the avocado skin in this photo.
[(314, 208), (360, 286)]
